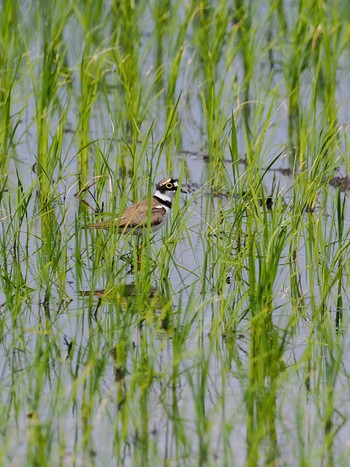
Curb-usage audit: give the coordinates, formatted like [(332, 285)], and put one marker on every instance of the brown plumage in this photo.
[(136, 216)]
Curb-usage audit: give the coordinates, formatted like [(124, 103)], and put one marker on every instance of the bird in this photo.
[(134, 218)]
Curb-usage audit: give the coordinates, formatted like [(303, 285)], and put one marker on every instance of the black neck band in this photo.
[(163, 201)]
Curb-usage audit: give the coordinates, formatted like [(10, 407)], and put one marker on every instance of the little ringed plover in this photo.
[(134, 218)]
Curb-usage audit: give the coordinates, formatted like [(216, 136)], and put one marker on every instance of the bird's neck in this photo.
[(163, 198)]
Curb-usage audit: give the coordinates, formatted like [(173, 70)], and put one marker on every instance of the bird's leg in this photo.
[(139, 247)]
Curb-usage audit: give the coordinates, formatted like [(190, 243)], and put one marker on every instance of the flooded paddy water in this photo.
[(223, 339)]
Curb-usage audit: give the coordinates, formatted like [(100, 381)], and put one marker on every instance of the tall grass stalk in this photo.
[(10, 60)]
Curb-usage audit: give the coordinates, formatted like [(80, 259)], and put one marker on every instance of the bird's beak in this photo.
[(183, 191)]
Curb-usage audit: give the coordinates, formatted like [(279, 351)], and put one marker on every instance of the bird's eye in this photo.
[(169, 186)]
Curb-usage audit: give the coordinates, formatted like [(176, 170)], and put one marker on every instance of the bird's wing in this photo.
[(135, 215)]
